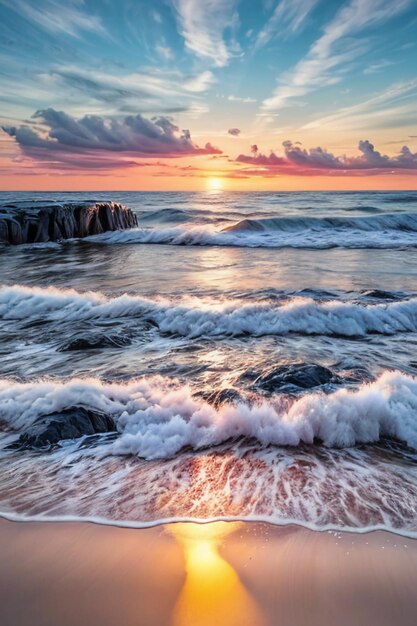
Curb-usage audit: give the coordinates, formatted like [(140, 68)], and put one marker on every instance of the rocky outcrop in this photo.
[(95, 342), (73, 423), (38, 222), (298, 375), (219, 397)]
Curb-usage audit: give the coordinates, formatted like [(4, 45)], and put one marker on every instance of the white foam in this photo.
[(199, 318), (379, 232), (157, 417)]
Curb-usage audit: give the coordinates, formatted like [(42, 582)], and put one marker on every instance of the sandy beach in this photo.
[(228, 574)]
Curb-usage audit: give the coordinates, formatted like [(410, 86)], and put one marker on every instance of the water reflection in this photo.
[(212, 592)]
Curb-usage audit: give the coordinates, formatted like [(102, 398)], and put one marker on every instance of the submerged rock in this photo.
[(380, 294), (218, 397), (301, 375), (71, 423), (95, 342), (37, 223)]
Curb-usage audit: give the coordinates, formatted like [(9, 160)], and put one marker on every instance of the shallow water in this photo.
[(209, 294)]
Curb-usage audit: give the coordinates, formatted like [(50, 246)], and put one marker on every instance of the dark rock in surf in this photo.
[(95, 342), (39, 223), (218, 397), (379, 294), (356, 375), (298, 375), (71, 423)]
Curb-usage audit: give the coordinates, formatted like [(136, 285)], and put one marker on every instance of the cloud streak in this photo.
[(146, 91), (68, 18), (334, 50), (288, 18), (394, 106), (202, 25)]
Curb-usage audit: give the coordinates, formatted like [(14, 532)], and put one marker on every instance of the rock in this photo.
[(65, 221), (24, 223), (354, 375), (4, 231), (42, 232), (106, 217), (15, 232), (95, 342), (299, 375), (218, 397), (71, 423), (379, 294)]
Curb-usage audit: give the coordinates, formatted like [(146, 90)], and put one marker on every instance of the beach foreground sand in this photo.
[(218, 574)]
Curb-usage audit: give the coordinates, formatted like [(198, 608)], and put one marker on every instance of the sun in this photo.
[(215, 184)]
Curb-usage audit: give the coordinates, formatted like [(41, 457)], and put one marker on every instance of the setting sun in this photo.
[(214, 183)]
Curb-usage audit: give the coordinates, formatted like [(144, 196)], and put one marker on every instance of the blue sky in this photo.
[(325, 74)]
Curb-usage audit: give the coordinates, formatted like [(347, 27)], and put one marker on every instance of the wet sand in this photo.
[(219, 574)]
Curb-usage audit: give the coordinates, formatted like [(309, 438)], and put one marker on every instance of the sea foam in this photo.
[(157, 417), (200, 318)]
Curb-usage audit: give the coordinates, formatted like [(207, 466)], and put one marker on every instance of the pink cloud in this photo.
[(319, 161), (95, 142)]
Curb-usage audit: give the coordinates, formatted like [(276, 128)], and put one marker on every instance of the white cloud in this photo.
[(156, 17), (53, 16), (149, 91), (374, 68), (200, 83), (202, 24), (389, 107), (164, 52), (288, 17), (238, 99), (331, 53)]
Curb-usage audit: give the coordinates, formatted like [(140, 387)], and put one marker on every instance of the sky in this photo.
[(202, 94)]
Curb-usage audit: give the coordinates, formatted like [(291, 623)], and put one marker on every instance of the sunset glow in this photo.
[(273, 95), (214, 184)]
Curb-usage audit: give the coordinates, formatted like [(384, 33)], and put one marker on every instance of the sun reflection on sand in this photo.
[(212, 592)]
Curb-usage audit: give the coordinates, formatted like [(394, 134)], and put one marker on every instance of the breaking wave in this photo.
[(402, 221), (380, 231), (231, 318), (156, 418)]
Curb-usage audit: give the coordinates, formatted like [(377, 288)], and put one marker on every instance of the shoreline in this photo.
[(224, 573), (17, 518)]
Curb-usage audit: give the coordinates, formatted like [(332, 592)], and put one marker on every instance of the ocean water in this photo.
[(187, 317)]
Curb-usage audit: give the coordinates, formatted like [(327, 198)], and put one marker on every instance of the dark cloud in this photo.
[(297, 160), (93, 141), (235, 132)]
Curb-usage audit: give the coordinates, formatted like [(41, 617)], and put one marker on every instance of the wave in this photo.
[(167, 215), (403, 198), (381, 231), (201, 319), (157, 418), (402, 222)]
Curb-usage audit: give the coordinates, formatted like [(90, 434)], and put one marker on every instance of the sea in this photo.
[(256, 351)]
